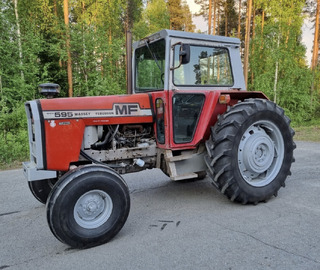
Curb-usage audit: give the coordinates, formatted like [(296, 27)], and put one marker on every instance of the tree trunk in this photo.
[(129, 61), (218, 22), (69, 63), (19, 38), (316, 39), (239, 20), (110, 52), (226, 19), (262, 26), (314, 60), (253, 20), (129, 25), (247, 42), (275, 95), (84, 50), (210, 17), (289, 24), (214, 16), (55, 10), (262, 22), (253, 36)]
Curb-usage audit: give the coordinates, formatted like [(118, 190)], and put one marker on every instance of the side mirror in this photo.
[(184, 54)]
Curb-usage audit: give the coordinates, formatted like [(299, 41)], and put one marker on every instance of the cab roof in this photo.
[(188, 35)]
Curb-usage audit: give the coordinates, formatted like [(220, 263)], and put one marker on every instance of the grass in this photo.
[(308, 133), (12, 166)]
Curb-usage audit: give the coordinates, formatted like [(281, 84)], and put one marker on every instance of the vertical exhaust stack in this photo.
[(129, 61)]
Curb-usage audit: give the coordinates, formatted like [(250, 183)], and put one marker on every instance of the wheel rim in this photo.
[(93, 209), (260, 153)]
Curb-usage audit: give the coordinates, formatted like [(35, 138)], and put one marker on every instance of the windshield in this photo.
[(207, 66), (150, 64)]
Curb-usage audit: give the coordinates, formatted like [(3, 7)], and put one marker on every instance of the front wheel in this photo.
[(41, 189), (250, 151), (88, 206)]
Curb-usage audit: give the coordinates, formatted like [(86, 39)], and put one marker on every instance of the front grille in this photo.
[(35, 133)]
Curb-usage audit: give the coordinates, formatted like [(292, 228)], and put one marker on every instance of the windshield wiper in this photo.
[(153, 55)]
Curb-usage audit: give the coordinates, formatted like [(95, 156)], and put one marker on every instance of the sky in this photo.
[(307, 28)]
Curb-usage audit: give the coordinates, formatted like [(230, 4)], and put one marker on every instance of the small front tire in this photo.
[(88, 206), (41, 189)]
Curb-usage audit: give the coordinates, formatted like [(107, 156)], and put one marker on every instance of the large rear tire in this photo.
[(250, 151), (88, 206)]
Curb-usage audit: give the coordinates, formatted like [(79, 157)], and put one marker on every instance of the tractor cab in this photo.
[(185, 74), (174, 60)]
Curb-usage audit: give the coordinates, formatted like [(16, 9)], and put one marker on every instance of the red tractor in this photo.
[(189, 115)]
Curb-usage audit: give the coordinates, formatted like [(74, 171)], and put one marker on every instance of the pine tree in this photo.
[(176, 14)]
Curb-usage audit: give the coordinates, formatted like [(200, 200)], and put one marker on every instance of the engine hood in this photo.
[(101, 107)]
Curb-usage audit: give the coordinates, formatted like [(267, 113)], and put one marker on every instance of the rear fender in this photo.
[(242, 95), (214, 109)]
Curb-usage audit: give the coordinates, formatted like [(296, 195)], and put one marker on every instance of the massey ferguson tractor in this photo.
[(189, 115)]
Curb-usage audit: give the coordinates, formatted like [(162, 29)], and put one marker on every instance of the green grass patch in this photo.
[(11, 166), (308, 133)]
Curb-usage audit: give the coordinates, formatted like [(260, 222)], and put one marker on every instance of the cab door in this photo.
[(186, 111)]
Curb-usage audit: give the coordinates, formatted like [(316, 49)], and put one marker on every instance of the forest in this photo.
[(81, 45)]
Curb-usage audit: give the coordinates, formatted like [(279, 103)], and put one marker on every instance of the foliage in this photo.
[(14, 143), (97, 49), (277, 59), (160, 14), (153, 18), (229, 19)]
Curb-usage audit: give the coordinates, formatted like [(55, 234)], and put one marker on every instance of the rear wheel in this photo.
[(88, 206), (250, 151)]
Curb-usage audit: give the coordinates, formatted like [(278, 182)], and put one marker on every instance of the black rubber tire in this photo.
[(63, 199), (41, 189), (224, 159)]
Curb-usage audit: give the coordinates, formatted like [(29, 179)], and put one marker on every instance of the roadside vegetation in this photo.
[(309, 133)]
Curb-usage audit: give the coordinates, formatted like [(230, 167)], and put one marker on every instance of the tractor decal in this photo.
[(119, 109)]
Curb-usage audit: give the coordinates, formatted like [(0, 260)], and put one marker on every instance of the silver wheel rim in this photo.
[(260, 153), (93, 209)]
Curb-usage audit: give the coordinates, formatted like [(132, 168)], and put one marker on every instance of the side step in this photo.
[(186, 165)]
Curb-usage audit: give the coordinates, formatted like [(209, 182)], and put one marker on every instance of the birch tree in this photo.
[(247, 41), (315, 53), (69, 60), (19, 38)]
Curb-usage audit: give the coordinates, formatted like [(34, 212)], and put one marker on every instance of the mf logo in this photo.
[(126, 109)]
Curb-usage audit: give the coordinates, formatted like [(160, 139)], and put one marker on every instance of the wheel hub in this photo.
[(93, 209), (260, 153)]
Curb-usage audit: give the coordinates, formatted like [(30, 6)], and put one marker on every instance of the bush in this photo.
[(13, 137)]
